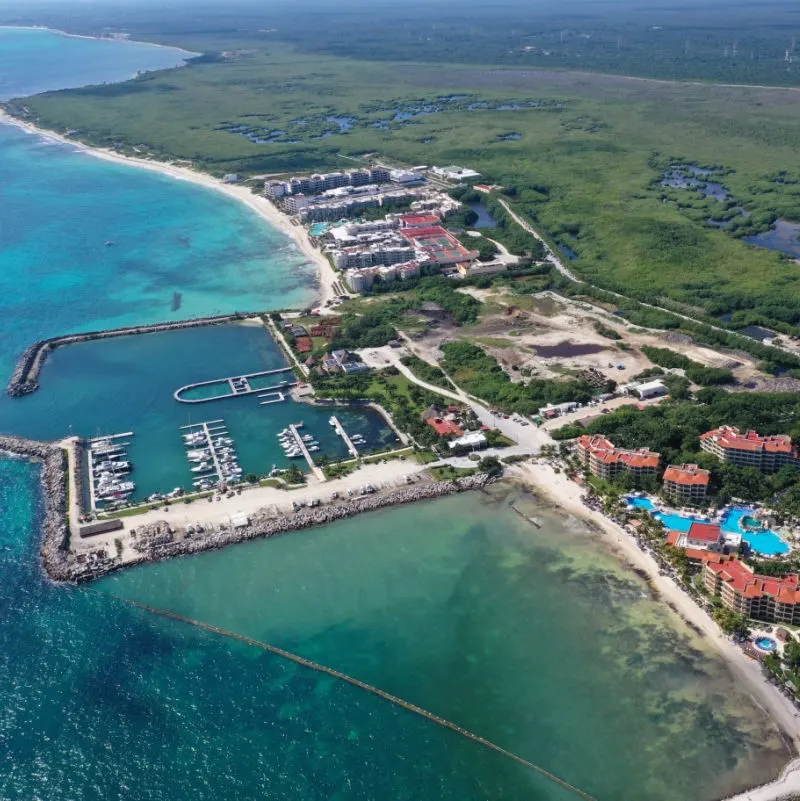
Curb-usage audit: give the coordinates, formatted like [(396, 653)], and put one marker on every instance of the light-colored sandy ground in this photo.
[(258, 203), (547, 319), (278, 501)]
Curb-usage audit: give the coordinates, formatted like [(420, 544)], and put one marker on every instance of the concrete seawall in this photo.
[(159, 541), (25, 378), (55, 530)]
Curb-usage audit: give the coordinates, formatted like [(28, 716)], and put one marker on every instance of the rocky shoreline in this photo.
[(159, 541), (25, 378), (55, 529)]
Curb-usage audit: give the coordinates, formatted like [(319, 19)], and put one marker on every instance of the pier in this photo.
[(210, 429), (272, 397), (339, 429), (237, 384), (318, 474), (115, 452)]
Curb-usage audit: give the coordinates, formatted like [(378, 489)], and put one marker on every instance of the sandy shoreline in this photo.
[(122, 38), (566, 494), (256, 203)]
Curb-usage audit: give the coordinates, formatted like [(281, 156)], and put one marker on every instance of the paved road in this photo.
[(529, 437), (561, 267)]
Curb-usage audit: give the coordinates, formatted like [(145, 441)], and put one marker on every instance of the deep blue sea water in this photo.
[(540, 640)]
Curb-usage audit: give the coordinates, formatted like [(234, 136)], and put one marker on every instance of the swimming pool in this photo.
[(764, 542), (766, 644)]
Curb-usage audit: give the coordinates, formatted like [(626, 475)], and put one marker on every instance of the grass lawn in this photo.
[(446, 472)]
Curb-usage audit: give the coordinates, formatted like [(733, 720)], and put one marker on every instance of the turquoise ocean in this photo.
[(538, 639)]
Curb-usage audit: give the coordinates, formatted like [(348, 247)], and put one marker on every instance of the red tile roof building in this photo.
[(419, 220), (700, 537), (439, 246), (603, 460), (767, 454), (686, 484), (753, 595), (303, 344), (444, 427)]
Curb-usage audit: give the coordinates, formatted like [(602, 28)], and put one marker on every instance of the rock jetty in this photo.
[(159, 541), (55, 530), (25, 378)]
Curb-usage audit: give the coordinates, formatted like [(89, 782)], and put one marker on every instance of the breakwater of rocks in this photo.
[(55, 529), (25, 378), (158, 541)]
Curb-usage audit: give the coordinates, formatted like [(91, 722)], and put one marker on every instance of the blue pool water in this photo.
[(766, 644), (641, 503), (765, 542)]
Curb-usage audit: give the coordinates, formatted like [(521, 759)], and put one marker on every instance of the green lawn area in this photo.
[(446, 472)]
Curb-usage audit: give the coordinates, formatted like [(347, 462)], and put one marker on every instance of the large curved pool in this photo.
[(763, 541)]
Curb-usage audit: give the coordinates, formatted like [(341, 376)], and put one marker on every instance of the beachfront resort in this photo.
[(384, 225)]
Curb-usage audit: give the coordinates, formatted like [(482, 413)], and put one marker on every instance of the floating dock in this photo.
[(272, 397), (211, 429), (237, 384)]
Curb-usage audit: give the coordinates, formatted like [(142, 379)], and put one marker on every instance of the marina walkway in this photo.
[(318, 474), (237, 384), (339, 429), (211, 429)]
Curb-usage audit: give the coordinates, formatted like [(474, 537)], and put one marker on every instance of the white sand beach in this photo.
[(257, 203), (566, 494)]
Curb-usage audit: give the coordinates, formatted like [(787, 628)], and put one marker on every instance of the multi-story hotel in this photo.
[(752, 595), (768, 454), (686, 484), (605, 461)]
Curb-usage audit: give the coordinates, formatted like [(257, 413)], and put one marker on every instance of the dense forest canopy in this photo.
[(713, 40)]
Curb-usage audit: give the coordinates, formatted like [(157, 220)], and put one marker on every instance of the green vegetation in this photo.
[(673, 428), (375, 324), (731, 622), (591, 187), (403, 400), (448, 473), (490, 465), (695, 372), (606, 331), (479, 374), (426, 372)]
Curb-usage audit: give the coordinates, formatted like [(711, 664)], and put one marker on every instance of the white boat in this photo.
[(332, 421), (202, 468)]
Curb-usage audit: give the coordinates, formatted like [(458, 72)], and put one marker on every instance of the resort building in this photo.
[(439, 246), (444, 428), (752, 595), (602, 459), (454, 173), (474, 440), (362, 280), (317, 184), (767, 454), (686, 484)]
